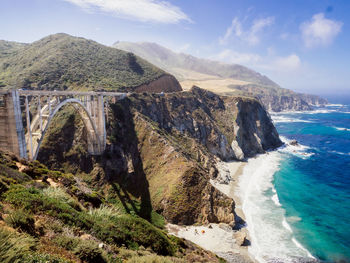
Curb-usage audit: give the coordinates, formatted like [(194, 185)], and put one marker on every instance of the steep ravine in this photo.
[(162, 149)]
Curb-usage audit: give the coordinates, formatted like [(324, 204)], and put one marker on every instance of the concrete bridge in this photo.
[(37, 108)]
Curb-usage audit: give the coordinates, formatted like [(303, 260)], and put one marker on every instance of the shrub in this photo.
[(67, 242), (133, 232), (43, 258), (22, 220), (61, 195), (35, 201), (104, 212), (88, 251), (13, 247)]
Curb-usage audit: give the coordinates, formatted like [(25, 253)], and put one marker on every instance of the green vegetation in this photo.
[(14, 247), (43, 223), (65, 62)]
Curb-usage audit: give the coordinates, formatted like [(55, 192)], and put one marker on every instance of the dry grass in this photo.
[(217, 85)]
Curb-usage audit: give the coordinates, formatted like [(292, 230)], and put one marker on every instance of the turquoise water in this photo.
[(313, 184)]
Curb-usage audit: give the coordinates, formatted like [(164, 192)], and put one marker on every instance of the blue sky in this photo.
[(301, 44)]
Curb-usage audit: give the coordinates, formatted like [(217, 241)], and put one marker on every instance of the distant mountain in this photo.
[(228, 79), (62, 61)]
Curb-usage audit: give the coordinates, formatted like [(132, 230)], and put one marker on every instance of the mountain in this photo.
[(228, 79), (9, 47), (62, 61)]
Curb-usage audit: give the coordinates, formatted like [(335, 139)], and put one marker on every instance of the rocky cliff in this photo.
[(278, 99), (162, 149)]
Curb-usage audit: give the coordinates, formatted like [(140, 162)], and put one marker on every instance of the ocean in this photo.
[(297, 199)]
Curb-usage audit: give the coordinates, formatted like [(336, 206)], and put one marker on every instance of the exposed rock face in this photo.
[(162, 150), (278, 99), (285, 103), (254, 131), (165, 83), (314, 100)]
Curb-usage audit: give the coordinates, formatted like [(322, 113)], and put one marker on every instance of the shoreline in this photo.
[(220, 238)]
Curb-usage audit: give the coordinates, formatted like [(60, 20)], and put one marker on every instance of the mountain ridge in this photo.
[(222, 78), (61, 61)]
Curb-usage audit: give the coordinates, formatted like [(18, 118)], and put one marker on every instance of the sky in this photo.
[(300, 44)]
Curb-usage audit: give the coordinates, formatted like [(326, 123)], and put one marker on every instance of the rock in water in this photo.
[(241, 238), (294, 142)]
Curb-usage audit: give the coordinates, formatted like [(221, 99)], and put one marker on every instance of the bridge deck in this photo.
[(63, 93)]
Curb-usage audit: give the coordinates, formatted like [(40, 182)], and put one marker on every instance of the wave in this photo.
[(275, 199), (301, 247), (341, 129), (335, 105), (280, 119), (271, 235), (298, 150), (287, 226), (319, 110), (340, 153)]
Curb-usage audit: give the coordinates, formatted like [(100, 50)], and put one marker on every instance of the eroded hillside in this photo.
[(162, 150)]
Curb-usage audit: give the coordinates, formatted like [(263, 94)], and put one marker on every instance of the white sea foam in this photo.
[(315, 111), (281, 119), (334, 105), (341, 129), (271, 236), (301, 247), (340, 153), (275, 199), (298, 150), (286, 225)]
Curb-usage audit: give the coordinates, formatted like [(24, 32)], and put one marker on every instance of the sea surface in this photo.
[(297, 199)]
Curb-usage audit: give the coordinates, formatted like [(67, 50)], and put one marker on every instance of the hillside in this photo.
[(62, 61), (9, 47), (50, 216), (162, 150), (222, 78)]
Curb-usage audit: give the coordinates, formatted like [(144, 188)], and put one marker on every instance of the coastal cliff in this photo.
[(162, 149)]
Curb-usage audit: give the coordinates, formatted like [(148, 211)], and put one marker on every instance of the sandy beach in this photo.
[(220, 238)]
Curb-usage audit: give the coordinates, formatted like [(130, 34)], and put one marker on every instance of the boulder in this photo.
[(241, 238), (294, 142)]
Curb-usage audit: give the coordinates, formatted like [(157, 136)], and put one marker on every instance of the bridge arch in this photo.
[(94, 144)]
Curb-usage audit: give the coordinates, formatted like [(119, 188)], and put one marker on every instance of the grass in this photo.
[(60, 194), (104, 212), (14, 248), (22, 220), (62, 61), (118, 229)]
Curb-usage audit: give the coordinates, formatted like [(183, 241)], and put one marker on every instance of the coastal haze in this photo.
[(174, 131)]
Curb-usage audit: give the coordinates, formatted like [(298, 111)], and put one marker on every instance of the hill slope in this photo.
[(62, 61), (222, 78)]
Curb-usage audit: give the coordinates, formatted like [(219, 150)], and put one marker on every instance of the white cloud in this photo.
[(141, 10), (251, 35), (320, 31), (288, 63), (270, 62), (231, 56)]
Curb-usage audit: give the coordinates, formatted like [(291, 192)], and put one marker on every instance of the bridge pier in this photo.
[(12, 136), (90, 106)]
